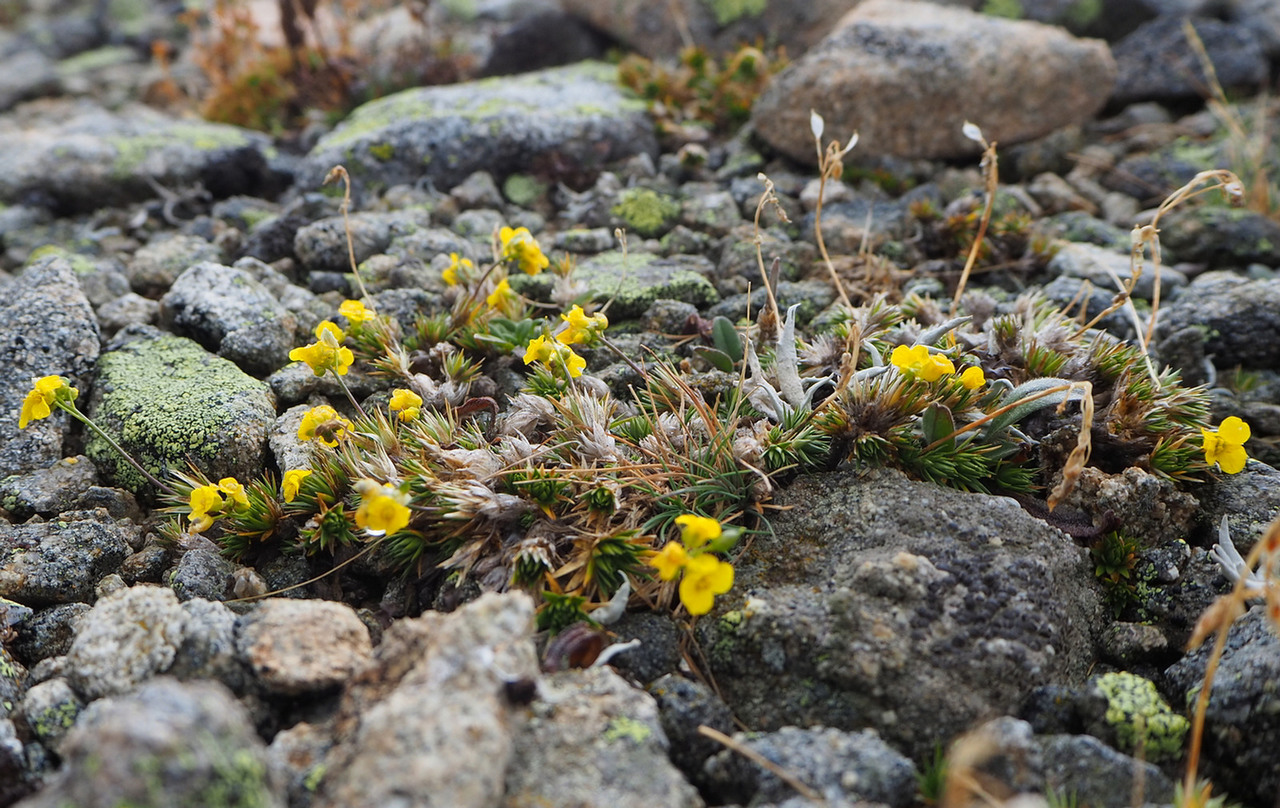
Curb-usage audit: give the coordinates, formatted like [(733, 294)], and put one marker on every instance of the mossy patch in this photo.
[(170, 402), (646, 212), (133, 150), (626, 728)]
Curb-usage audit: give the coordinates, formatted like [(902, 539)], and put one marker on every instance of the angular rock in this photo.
[(127, 638), (58, 562), (659, 30), (202, 572), (907, 75), (50, 708), (168, 402), (901, 606), (1157, 63), (27, 73), (47, 328), (322, 246), (1099, 775), (1242, 724), (1236, 320), (232, 315), (208, 649), (302, 646), (1101, 266), (157, 264), (48, 491), (49, 633), (169, 743), (594, 740), (854, 766), (562, 122), (428, 721), (683, 706), (635, 280), (76, 156)]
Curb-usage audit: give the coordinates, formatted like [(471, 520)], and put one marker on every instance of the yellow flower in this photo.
[(670, 560), (44, 392), (232, 488), (204, 499), (450, 273), (698, 530), (500, 295), (520, 247), (581, 327), (323, 424), (574, 363), (406, 403), (918, 360), (327, 352), (973, 377), (539, 349), (292, 482), (705, 576), (355, 312), (1226, 446), (382, 510)]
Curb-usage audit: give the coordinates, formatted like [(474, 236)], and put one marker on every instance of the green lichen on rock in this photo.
[(168, 402), (646, 212), (522, 189), (133, 150), (633, 282), (626, 728), (727, 11), (80, 264), (1138, 715), (53, 722)]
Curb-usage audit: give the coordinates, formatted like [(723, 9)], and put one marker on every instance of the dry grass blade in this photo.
[(991, 182), (764, 762), (1084, 444)]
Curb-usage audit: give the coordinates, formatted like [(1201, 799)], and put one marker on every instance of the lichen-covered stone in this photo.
[(646, 212), (168, 402), (169, 743), (46, 328), (50, 709), (126, 638), (635, 280), (559, 122), (1136, 715), (58, 562)]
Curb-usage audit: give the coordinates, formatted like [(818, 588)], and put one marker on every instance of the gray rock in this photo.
[(659, 651), (48, 491), (1151, 508), (16, 777), (124, 640), (128, 309), (1101, 266), (592, 739), (812, 297), (13, 681), (1249, 500), (478, 190), (571, 119), (659, 30), (1237, 319), (50, 708), (587, 240), (683, 706), (1262, 17), (27, 73), (713, 212), (156, 265), (208, 649), (297, 756), (839, 765), (635, 280), (1156, 62), (302, 646), (1221, 237), (231, 314), (1242, 725), (46, 328), (201, 573), (1099, 775), (169, 743), (49, 632), (58, 562), (168, 402), (916, 610), (907, 75), (427, 721), (81, 157), (322, 246)]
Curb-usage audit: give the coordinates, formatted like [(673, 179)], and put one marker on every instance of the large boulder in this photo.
[(907, 75), (564, 122), (901, 606)]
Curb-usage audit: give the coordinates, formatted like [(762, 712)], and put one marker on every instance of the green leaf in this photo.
[(1016, 414), (938, 424), (726, 338), (717, 359)]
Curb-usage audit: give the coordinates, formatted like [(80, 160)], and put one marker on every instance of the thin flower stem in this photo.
[(350, 397), (75, 413)]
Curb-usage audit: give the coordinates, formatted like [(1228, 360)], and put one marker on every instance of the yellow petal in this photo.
[(669, 560), (1232, 459), (1234, 431), (698, 530), (973, 378)]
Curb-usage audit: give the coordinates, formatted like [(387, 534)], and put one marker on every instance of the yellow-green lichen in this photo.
[(1139, 716), (133, 150), (727, 11), (56, 720), (646, 212), (626, 728)]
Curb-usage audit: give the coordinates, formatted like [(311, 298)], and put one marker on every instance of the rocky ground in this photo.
[(167, 266)]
